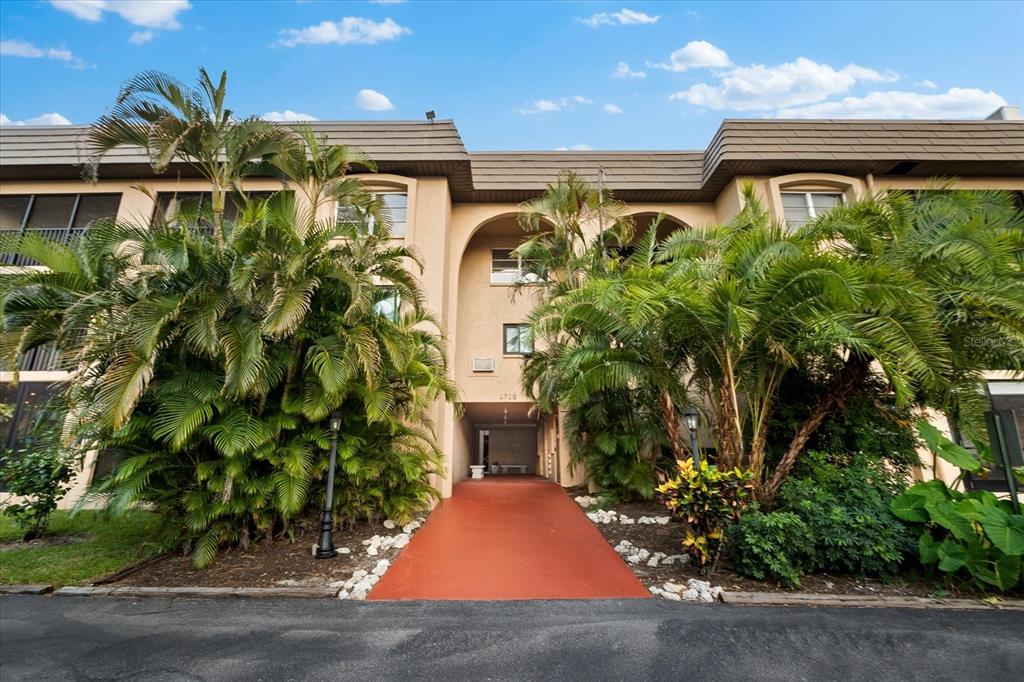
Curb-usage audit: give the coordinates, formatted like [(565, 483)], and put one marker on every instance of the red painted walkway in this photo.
[(508, 538)]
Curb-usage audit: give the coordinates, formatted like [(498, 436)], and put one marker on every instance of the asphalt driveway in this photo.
[(69, 638)]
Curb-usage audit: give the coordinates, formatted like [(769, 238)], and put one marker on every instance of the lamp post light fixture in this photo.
[(692, 418), (325, 549)]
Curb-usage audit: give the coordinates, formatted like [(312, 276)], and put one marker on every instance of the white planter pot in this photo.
[(476, 471)]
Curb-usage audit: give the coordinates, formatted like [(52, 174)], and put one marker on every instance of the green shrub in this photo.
[(707, 501), (39, 473), (845, 505), (774, 545), (834, 517), (965, 535)]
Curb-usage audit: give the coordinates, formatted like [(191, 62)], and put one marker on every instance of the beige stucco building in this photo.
[(458, 209)]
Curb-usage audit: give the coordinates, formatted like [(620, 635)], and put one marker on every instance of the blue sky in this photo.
[(526, 75)]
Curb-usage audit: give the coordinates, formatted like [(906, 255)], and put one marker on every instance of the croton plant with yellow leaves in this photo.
[(707, 500)]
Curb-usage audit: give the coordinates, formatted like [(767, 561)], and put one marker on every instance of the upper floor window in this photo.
[(168, 204), (801, 208), (389, 305), (396, 205), (518, 339), (56, 216), (509, 268)]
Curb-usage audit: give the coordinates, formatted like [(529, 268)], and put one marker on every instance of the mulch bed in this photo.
[(273, 563), (666, 539)]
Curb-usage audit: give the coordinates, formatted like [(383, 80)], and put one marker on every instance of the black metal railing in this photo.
[(60, 234)]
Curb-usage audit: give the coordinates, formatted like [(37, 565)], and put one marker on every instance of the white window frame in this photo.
[(522, 277), (812, 213), (370, 225)]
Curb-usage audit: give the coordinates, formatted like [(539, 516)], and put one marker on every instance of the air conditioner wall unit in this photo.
[(483, 364)]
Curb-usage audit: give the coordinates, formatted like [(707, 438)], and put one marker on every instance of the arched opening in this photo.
[(642, 224), (498, 429)]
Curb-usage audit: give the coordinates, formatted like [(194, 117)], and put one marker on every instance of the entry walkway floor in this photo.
[(508, 538)]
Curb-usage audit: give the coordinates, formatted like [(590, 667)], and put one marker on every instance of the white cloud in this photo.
[(140, 37), (348, 31), (51, 119), (579, 147), (926, 84), (148, 13), (22, 48), (696, 54), (543, 106), (611, 109), (286, 116), (371, 100), (761, 88), (624, 17), (622, 70), (956, 103)]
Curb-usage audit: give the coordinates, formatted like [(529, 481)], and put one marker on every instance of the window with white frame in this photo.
[(518, 339), (395, 204), (801, 208), (507, 267), (389, 303)]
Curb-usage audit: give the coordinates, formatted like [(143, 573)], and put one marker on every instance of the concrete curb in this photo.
[(217, 592), (25, 589), (865, 601)]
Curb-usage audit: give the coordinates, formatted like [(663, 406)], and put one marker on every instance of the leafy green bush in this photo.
[(774, 545), (707, 501), (963, 534), (39, 473), (834, 517), (845, 505)]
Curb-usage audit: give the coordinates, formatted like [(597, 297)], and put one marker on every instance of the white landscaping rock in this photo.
[(671, 595), (410, 527), (381, 567), (360, 573), (389, 524), (672, 587), (644, 555), (343, 594), (633, 559), (344, 550), (690, 595), (372, 550), (662, 520)]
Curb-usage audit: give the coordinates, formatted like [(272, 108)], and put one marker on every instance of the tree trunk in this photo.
[(668, 412), (853, 373), (757, 447), (730, 436)]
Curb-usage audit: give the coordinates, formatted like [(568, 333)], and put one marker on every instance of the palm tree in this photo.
[(954, 257), (172, 121), (212, 366)]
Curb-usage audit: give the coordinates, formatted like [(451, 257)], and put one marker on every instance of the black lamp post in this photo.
[(325, 550), (692, 418)]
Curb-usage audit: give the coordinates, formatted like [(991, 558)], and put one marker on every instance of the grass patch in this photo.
[(112, 542)]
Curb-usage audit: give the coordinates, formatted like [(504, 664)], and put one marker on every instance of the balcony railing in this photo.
[(61, 234)]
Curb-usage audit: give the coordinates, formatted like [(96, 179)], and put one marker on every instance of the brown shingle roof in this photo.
[(774, 146), (739, 147), (652, 176)]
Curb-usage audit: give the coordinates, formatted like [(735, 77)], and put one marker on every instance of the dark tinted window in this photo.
[(12, 211)]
